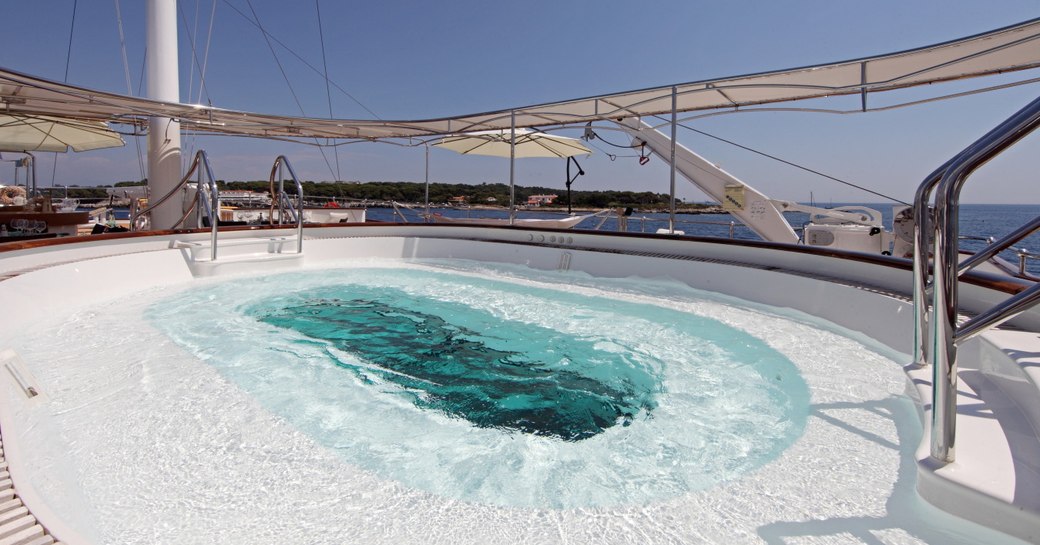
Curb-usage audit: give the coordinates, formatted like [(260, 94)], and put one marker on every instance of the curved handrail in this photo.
[(180, 185), (948, 181), (279, 162), (200, 158)]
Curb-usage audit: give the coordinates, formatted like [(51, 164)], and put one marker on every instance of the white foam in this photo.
[(165, 449)]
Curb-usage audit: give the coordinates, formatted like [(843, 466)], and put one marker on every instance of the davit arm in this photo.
[(753, 208)]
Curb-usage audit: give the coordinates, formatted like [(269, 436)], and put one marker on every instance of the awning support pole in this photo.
[(427, 182), (512, 166), (863, 85), (671, 190)]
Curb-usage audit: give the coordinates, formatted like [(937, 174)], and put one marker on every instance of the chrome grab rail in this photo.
[(212, 205), (276, 169), (948, 181), (997, 246)]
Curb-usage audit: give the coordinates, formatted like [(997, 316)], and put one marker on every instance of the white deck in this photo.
[(993, 482)]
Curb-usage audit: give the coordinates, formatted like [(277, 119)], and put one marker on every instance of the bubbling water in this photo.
[(506, 388), (547, 390)]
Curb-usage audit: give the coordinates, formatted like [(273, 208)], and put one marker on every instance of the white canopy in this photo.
[(1008, 49), (43, 133), (499, 143)]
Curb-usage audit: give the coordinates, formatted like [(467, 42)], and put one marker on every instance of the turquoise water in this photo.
[(500, 386), (459, 361)]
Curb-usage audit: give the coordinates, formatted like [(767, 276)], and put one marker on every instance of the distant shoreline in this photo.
[(700, 209)]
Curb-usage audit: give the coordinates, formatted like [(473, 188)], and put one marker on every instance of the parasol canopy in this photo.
[(528, 144), (43, 133)]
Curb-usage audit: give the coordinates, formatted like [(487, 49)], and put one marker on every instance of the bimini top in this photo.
[(1008, 49)]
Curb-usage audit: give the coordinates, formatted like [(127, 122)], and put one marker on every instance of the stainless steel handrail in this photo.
[(948, 181), (213, 204), (276, 169), (997, 246), (200, 157)]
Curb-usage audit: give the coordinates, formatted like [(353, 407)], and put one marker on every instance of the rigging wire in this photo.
[(205, 54), (786, 162), (191, 40), (298, 57), (856, 111), (195, 56), (68, 62), (896, 106), (189, 142), (286, 77), (129, 85), (72, 29), (196, 65), (328, 89)]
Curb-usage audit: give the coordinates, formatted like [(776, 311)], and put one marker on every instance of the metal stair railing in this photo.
[(939, 349), (280, 164), (207, 188)]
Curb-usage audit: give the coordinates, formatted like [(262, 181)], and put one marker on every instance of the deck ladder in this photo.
[(207, 200)]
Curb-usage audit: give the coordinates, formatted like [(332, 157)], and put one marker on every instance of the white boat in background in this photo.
[(538, 223), (261, 216), (971, 337)]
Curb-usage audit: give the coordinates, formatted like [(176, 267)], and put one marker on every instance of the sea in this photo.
[(977, 223)]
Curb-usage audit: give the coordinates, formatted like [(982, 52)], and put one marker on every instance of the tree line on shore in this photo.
[(482, 194)]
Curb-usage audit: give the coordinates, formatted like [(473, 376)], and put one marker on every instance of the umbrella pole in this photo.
[(671, 212), (512, 166), (32, 168), (568, 185)]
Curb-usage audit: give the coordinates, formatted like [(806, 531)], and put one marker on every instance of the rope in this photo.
[(328, 89), (611, 156), (600, 138), (786, 162)]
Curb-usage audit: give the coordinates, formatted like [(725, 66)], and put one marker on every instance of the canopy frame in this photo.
[(1012, 48)]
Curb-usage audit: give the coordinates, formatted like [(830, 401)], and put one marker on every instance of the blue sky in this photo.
[(409, 60)]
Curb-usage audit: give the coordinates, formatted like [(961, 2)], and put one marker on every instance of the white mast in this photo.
[(164, 134)]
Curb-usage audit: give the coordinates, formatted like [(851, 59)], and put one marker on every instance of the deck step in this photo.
[(16, 527), (253, 246), (29, 534), (13, 515), (238, 255), (10, 504)]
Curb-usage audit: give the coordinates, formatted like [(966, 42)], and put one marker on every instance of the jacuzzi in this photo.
[(642, 389)]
